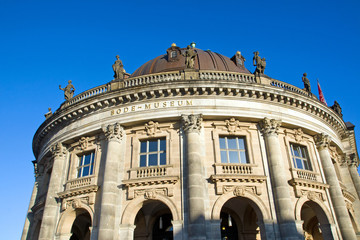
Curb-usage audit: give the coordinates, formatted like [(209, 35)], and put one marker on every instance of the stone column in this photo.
[(353, 163), (195, 178), (322, 143), (177, 229), (52, 206), (126, 231), (30, 215), (109, 188), (283, 203)]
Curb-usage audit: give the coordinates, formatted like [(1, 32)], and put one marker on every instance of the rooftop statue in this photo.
[(260, 64), (336, 107), (118, 68), (306, 82), (68, 90), (190, 55), (239, 59), (48, 114)]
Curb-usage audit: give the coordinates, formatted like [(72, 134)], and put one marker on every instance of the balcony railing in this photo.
[(233, 168), (80, 182), (305, 174), (146, 172)]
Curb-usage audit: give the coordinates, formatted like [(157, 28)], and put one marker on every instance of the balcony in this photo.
[(79, 186)]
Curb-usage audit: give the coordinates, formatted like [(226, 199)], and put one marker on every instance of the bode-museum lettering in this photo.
[(149, 106)]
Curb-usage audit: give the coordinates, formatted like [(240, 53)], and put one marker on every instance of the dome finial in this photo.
[(192, 44), (173, 45)]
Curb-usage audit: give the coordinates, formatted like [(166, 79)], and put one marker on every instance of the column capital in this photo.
[(352, 160), (269, 126), (113, 132), (192, 123), (322, 141), (58, 150)]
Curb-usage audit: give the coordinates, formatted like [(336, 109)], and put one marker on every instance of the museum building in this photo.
[(192, 145)]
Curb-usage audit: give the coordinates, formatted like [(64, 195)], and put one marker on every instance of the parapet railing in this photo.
[(306, 174), (154, 171), (177, 76), (80, 182), (233, 168), (154, 78)]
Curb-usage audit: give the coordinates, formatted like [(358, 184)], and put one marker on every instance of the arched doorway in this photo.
[(153, 221), (316, 225), (239, 220), (81, 227)]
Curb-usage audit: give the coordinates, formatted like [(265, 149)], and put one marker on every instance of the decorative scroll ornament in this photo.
[(113, 132), (84, 143), (58, 150), (239, 191), (298, 135), (151, 194), (232, 125), (322, 141), (151, 128), (269, 126), (192, 123)]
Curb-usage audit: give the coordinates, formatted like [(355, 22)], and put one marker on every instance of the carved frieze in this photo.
[(192, 123), (269, 126), (232, 125), (240, 190), (151, 193), (113, 132), (151, 128), (322, 141), (77, 202)]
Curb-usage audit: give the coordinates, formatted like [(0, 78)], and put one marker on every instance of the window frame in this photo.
[(307, 158), (148, 153), (81, 166), (238, 150)]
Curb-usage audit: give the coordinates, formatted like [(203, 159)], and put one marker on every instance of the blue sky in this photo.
[(45, 43)]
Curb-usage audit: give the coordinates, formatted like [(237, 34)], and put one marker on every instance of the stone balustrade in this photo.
[(305, 174), (153, 78), (146, 172), (227, 76), (289, 87), (80, 182), (233, 168)]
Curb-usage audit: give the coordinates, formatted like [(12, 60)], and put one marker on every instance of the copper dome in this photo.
[(205, 60)]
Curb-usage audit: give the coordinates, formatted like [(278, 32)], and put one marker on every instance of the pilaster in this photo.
[(192, 127), (114, 134), (322, 142), (52, 206), (284, 208)]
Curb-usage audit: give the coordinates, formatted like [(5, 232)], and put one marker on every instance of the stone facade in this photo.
[(200, 154)]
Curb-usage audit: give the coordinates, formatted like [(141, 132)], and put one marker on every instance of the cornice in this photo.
[(229, 87)]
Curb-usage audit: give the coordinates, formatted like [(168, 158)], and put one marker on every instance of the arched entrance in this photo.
[(81, 227), (316, 225), (239, 220), (153, 221)]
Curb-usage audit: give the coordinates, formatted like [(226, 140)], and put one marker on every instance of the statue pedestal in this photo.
[(190, 74)]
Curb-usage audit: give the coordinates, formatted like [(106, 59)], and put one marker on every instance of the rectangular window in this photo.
[(300, 157), (86, 165), (153, 152), (233, 150)]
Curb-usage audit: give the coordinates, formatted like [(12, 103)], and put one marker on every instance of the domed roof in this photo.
[(205, 60)]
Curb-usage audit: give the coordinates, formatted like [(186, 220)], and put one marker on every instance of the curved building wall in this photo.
[(209, 153)]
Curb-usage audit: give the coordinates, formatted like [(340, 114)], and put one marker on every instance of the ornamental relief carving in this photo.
[(269, 126), (192, 123), (151, 128), (58, 150), (322, 141), (232, 125), (311, 195), (151, 193), (83, 143), (75, 203), (114, 132), (241, 190)]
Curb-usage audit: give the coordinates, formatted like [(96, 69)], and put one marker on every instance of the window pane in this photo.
[(222, 143), (87, 159), (153, 160), (143, 147), (91, 168), (223, 157), (162, 158), (303, 152), (299, 163), (241, 143), (232, 143), (153, 146), (85, 171), (142, 160), (296, 151), (243, 157), (162, 144), (234, 157)]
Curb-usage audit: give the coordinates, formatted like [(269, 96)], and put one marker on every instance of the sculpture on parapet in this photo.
[(118, 68), (68, 90), (48, 114), (190, 55), (260, 64), (336, 107), (306, 82)]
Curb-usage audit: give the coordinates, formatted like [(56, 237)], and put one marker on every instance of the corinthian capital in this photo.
[(191, 123), (269, 126), (58, 150), (352, 160), (322, 141), (113, 132)]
